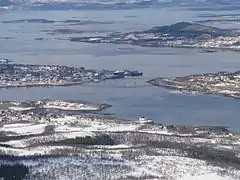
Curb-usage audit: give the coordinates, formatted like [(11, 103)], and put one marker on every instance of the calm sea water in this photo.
[(131, 98)]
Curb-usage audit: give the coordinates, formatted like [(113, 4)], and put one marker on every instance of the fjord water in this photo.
[(130, 98)]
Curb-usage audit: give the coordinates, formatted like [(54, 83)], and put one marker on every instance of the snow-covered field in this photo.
[(141, 150), (70, 106), (206, 177), (23, 128), (53, 104)]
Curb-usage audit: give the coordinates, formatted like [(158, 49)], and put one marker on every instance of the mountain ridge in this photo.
[(188, 29), (115, 4)]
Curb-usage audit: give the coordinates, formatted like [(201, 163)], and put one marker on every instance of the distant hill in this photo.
[(189, 30)]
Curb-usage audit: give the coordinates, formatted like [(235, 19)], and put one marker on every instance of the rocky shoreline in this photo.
[(220, 83)]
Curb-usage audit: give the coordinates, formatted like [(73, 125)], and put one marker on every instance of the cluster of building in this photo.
[(221, 83), (171, 41), (224, 83), (18, 75), (168, 40), (220, 42)]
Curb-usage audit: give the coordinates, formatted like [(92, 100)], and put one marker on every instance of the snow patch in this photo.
[(24, 128), (206, 177), (119, 146), (15, 108)]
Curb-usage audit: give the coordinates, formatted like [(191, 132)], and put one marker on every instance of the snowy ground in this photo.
[(53, 104), (141, 149)]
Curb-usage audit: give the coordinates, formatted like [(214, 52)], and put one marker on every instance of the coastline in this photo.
[(167, 46), (155, 82), (41, 85)]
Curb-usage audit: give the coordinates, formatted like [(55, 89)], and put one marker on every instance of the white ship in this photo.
[(145, 120)]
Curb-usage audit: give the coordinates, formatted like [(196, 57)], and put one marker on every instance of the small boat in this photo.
[(208, 50), (145, 120), (125, 49)]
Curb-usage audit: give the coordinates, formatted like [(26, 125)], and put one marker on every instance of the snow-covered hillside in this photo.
[(79, 146)]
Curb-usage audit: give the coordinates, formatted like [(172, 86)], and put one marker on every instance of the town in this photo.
[(179, 35), (28, 75), (220, 83)]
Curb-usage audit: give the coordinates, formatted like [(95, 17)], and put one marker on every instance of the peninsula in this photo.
[(181, 35), (220, 83), (51, 104), (29, 75)]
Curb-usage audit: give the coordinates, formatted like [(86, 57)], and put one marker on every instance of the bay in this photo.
[(131, 98)]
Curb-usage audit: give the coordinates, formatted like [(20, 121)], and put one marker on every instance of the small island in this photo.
[(220, 83), (179, 35)]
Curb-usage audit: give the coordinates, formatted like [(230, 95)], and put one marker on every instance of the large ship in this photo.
[(122, 74)]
